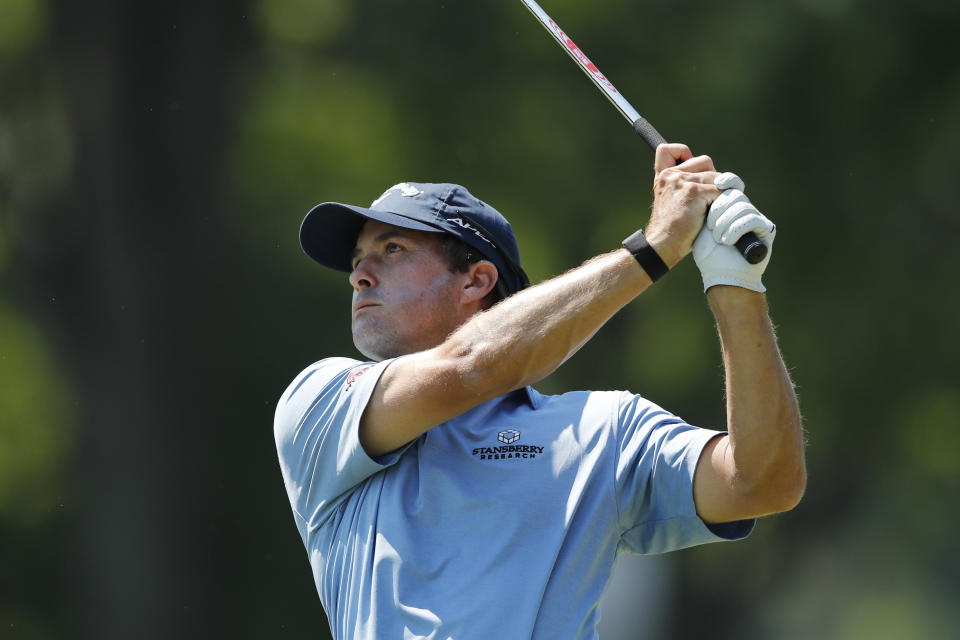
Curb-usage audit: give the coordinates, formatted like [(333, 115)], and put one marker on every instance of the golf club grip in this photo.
[(646, 131), (749, 245)]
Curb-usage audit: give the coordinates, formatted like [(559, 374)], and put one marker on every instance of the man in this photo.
[(439, 496)]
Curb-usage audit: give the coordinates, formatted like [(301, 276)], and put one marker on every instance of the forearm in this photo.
[(763, 417), (525, 338)]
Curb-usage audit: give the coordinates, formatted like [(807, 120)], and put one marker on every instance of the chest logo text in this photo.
[(509, 450)]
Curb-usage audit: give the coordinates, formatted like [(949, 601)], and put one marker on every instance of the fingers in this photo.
[(684, 187), (724, 202), (755, 221), (727, 180), (699, 164), (691, 185), (737, 219), (670, 154), (675, 154)]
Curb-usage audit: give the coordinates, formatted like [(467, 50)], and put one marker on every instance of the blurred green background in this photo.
[(156, 160)]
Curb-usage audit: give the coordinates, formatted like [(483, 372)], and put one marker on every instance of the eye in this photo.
[(392, 247)]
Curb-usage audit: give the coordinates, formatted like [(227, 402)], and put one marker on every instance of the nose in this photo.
[(362, 277)]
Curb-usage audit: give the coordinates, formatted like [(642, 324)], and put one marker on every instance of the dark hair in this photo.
[(460, 256)]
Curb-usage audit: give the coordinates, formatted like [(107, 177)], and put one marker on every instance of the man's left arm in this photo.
[(758, 468)]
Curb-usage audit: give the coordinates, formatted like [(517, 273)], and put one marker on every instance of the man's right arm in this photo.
[(527, 336), (513, 344)]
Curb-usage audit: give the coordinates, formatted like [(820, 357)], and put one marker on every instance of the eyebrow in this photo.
[(383, 237)]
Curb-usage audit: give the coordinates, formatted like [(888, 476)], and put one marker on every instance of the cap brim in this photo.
[(329, 231)]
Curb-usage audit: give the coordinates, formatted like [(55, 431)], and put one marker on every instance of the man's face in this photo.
[(405, 298)]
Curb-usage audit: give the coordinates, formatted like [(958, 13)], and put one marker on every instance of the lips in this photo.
[(363, 304)]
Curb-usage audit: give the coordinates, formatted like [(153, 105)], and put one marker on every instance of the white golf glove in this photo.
[(731, 216)]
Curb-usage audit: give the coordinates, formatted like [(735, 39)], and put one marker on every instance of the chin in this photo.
[(378, 345), (377, 350)]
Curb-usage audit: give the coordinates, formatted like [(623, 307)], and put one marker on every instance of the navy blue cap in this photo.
[(329, 231)]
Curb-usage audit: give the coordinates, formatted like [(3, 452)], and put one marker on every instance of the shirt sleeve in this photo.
[(316, 427), (657, 457)]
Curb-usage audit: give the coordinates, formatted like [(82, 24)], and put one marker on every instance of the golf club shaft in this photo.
[(752, 249)]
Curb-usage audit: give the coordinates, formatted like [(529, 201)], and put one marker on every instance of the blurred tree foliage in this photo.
[(155, 162)]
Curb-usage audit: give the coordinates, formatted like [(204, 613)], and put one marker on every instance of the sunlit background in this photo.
[(156, 159)]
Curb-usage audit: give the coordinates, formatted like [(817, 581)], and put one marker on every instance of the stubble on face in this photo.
[(413, 295)]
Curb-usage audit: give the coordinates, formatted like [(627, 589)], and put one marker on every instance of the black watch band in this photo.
[(650, 261)]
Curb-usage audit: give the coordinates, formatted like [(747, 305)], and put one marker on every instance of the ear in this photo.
[(482, 278)]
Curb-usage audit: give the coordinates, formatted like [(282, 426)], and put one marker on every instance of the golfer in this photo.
[(439, 495)]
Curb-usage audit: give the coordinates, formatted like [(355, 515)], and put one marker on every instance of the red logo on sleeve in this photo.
[(356, 373)]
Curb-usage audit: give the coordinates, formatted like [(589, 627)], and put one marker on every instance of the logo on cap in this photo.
[(406, 190), (460, 222)]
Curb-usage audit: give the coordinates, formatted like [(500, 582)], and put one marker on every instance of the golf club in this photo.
[(749, 245)]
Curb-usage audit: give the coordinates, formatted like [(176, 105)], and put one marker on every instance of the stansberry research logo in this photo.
[(508, 436), (509, 450)]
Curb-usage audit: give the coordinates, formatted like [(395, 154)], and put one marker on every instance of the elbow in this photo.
[(791, 476), (791, 491), (800, 485), (774, 486), (783, 484), (781, 491)]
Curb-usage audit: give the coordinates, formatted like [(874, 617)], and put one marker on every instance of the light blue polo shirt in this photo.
[(503, 522)]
